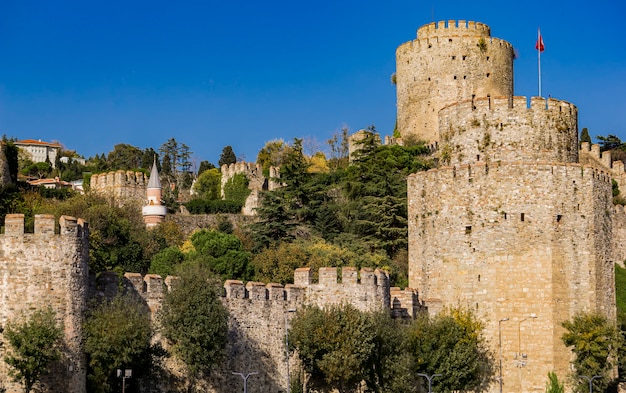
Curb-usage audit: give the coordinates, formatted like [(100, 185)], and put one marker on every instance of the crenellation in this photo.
[(256, 290), (349, 275), (327, 276), (235, 289), (135, 282), (125, 186), (303, 277), (14, 224), (276, 292), (44, 224)]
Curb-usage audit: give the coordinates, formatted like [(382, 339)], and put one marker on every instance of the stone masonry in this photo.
[(259, 313), (44, 269), (516, 223)]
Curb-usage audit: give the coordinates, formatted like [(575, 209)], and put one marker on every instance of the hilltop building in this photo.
[(39, 150), (514, 223)]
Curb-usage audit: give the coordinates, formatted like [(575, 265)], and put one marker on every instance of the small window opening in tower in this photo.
[(464, 56), (504, 214), (449, 39), (429, 79), (479, 277), (477, 306), (455, 77), (487, 58), (468, 229), (477, 157), (522, 216), (464, 76), (488, 75), (453, 57), (558, 218)]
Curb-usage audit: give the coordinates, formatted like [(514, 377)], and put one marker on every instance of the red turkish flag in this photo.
[(539, 45)]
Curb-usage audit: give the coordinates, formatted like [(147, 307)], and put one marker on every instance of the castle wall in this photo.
[(448, 63), (259, 313), (257, 182), (44, 269), (125, 186), (510, 240), (508, 129)]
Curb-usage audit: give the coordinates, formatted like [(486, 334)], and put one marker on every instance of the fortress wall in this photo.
[(508, 129), (259, 312), (510, 240), (124, 186), (44, 269), (447, 64), (257, 182)]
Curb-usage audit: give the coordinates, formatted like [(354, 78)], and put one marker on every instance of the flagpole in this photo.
[(539, 58)]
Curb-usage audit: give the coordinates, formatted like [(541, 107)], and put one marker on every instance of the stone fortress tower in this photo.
[(446, 64), (44, 269), (154, 213), (510, 224)]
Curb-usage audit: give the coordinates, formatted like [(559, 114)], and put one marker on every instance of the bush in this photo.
[(201, 206)]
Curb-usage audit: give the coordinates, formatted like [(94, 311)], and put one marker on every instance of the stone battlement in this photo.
[(473, 172), (367, 290), (508, 129), (454, 28), (604, 158), (516, 103), (257, 182), (45, 225), (122, 185)]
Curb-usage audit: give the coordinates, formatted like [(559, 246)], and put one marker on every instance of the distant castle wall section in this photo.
[(508, 129), (511, 240), (447, 63), (257, 182), (44, 269), (124, 186)]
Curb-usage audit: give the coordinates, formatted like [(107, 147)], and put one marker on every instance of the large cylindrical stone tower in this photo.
[(448, 63)]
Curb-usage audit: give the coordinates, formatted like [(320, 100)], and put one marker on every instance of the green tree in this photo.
[(209, 184), (228, 157), (34, 346), (205, 165), (117, 336), (194, 320), (553, 385), (124, 156), (38, 169), (594, 340), (236, 189), (166, 261), (451, 344), (335, 344), (609, 142), (272, 154), (223, 253), (339, 149), (584, 135)]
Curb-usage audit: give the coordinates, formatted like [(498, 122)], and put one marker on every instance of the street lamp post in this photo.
[(127, 373), (519, 338), (430, 379), (520, 357), (500, 344), (245, 380), (287, 347), (590, 380)]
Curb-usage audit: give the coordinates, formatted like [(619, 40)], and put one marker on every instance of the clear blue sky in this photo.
[(92, 74)]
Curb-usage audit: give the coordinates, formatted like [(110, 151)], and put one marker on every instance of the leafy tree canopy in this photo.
[(194, 320), (117, 336), (34, 346), (228, 157)]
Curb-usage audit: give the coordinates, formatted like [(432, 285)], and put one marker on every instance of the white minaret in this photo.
[(154, 212)]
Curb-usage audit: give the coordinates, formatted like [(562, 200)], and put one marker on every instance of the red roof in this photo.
[(37, 142)]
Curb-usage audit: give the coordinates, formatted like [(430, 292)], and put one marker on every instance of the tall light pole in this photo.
[(127, 373), (245, 380), (430, 379), (520, 358), (519, 337), (287, 346), (590, 380), (500, 344)]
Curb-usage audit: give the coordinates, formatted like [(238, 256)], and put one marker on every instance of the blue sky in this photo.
[(92, 74)]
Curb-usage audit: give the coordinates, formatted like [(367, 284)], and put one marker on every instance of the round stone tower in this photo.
[(448, 63)]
